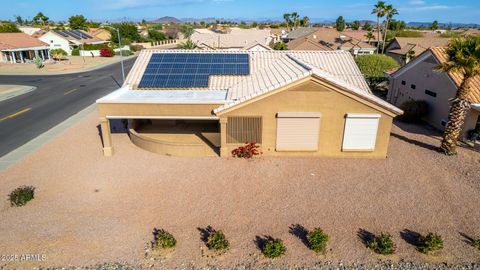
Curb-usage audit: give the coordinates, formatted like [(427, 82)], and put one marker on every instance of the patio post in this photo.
[(223, 137), (106, 137), (14, 59)]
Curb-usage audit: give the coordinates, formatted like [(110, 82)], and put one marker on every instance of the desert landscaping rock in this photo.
[(414, 190)]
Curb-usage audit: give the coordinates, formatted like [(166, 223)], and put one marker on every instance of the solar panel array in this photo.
[(181, 70), (73, 33)]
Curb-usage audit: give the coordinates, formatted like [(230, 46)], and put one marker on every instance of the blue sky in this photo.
[(462, 11)]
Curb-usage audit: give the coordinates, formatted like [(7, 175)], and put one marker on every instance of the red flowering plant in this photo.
[(106, 52), (249, 150)]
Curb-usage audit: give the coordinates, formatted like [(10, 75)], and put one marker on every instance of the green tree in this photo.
[(155, 35), (355, 25), (434, 25), (379, 10), (187, 30), (369, 35), (463, 58), (40, 18), (19, 20), (367, 26), (295, 19), (280, 46), (340, 24), (390, 11), (373, 67), (187, 45), (304, 21), (9, 27), (128, 31), (287, 19), (78, 22)]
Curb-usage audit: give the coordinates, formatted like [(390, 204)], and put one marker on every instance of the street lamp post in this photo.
[(121, 54)]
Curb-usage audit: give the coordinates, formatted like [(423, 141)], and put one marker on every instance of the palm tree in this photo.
[(369, 36), (389, 11), (379, 10), (286, 17), (295, 18), (187, 45), (463, 58), (304, 21)]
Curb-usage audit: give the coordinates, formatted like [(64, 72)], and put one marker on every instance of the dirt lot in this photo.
[(90, 209)]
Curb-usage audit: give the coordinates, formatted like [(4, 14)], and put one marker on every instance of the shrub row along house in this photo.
[(210, 102), (419, 81)]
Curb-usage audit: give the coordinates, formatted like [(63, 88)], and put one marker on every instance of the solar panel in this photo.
[(60, 33), (180, 70), (81, 34), (72, 34)]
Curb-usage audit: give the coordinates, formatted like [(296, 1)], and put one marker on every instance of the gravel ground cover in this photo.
[(89, 209)]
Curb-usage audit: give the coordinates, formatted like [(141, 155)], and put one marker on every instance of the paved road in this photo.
[(57, 97)]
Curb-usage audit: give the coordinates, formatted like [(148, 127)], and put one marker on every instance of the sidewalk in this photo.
[(74, 64)]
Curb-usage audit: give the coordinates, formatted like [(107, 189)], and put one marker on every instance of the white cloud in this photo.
[(417, 2)]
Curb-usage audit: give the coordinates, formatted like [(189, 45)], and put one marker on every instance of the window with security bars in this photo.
[(244, 129)]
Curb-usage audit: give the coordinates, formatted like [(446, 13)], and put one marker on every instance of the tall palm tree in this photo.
[(389, 12), (379, 10), (295, 18), (286, 17), (464, 58)]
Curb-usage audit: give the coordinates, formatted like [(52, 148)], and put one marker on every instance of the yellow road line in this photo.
[(15, 114), (70, 91)]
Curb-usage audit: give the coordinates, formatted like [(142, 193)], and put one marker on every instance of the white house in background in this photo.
[(233, 39), (21, 48), (68, 39)]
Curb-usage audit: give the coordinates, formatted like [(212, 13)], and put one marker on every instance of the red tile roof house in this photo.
[(21, 48)]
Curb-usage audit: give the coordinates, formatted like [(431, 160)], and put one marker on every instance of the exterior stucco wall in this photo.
[(424, 78), (56, 42), (312, 96)]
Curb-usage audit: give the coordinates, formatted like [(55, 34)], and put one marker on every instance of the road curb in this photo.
[(125, 58), (23, 89), (42, 139)]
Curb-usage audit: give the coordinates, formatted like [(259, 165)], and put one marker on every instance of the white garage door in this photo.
[(360, 132), (297, 131)]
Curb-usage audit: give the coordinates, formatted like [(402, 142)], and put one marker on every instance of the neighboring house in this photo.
[(419, 81), (68, 39), (21, 48), (257, 46), (299, 32), (278, 34), (29, 30), (471, 32), (291, 103), (99, 33), (362, 36), (234, 39), (329, 39), (404, 49)]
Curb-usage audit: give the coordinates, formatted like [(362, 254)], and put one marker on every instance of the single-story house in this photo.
[(21, 48), (234, 39), (419, 81), (328, 39), (298, 33), (69, 39), (100, 33), (292, 103), (404, 49)]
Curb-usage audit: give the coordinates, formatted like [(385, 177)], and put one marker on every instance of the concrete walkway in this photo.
[(11, 91), (24, 150)]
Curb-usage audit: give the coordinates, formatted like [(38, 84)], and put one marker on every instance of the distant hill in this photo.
[(167, 19), (443, 25)]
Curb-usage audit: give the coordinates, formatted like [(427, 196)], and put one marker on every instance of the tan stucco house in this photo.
[(405, 49), (22, 48), (291, 103), (419, 81)]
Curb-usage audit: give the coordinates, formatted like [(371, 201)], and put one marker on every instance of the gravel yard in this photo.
[(89, 209)]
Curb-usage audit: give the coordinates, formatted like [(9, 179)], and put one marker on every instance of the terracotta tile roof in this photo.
[(327, 39), (418, 45), (457, 77), (236, 38), (10, 41)]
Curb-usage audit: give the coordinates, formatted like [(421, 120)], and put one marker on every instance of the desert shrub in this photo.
[(58, 53), (382, 244), (38, 62), (106, 52), (21, 195), (274, 248), (250, 150), (476, 243), (373, 68), (124, 53), (413, 110), (280, 46), (163, 239), (430, 243), (93, 47), (317, 240), (217, 241), (76, 52), (136, 48)]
